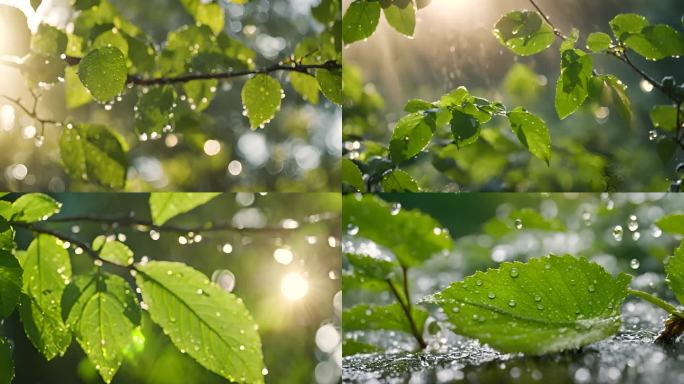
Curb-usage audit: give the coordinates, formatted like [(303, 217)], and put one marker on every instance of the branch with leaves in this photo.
[(524, 33), (105, 56), (57, 305)]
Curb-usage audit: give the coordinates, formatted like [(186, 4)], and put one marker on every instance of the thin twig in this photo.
[(78, 243), (301, 68), (211, 227), (33, 114), (556, 31)]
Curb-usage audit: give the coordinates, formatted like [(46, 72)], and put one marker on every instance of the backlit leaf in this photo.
[(103, 72), (261, 97), (165, 206)]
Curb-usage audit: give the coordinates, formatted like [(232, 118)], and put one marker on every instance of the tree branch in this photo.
[(211, 227), (556, 31), (80, 244)]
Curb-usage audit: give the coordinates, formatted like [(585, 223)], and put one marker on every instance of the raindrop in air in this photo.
[(224, 279), (518, 224), (617, 233)]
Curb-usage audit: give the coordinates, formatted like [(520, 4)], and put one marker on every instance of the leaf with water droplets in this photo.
[(330, 83), (154, 111), (306, 85), (360, 20), (412, 135), (598, 42), (113, 251), (103, 313), (10, 283), (398, 180), (353, 347), (351, 175), (376, 267), (665, 117), (261, 97), (675, 272), (672, 223), (572, 88), (412, 236), (656, 42), (47, 270), (532, 133), (210, 324), (34, 207), (524, 32), (94, 153), (103, 71), (6, 362), (207, 13), (401, 19), (165, 206), (391, 317), (560, 303)]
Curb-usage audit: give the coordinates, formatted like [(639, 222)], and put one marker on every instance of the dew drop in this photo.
[(514, 272), (396, 208), (512, 303), (518, 224), (352, 229), (591, 288), (617, 233), (491, 295), (634, 264)]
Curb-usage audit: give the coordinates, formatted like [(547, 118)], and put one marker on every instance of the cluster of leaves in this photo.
[(525, 33), (545, 305), (105, 54), (464, 115), (101, 309)]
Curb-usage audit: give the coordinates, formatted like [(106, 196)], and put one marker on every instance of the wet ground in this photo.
[(629, 357)]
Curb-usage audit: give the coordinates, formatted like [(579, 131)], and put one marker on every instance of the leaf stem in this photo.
[(656, 301), (406, 307)]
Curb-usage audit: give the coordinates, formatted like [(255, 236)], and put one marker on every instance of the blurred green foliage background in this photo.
[(593, 150), (300, 338)]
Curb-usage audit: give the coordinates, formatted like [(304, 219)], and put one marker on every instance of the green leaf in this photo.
[(85, 4), (103, 312), (330, 83), (667, 147), (417, 105), (206, 13), (401, 19), (165, 206), (261, 96), (360, 20), (672, 223), (6, 233), (353, 347), (674, 269), (113, 251), (76, 94), (398, 181), (351, 175), (306, 85), (111, 38), (154, 111), (35, 4), (49, 41), (627, 24), (103, 73), (656, 42), (464, 126), (210, 324), (412, 236), (200, 93), (524, 32), (10, 283), (572, 87), (47, 270), (33, 207), (454, 98), (94, 153), (391, 317), (532, 133), (599, 42), (665, 117), (546, 305), (619, 96), (6, 362), (378, 267), (411, 136)]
